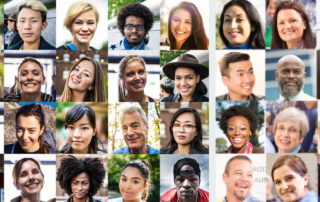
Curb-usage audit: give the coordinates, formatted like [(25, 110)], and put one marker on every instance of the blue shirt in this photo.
[(309, 197), (125, 150)]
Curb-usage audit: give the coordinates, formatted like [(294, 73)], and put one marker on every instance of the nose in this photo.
[(29, 77), (181, 128), (130, 131), (284, 185), (27, 24), (234, 23), (291, 74), (183, 81), (77, 133), (84, 27), (186, 184)]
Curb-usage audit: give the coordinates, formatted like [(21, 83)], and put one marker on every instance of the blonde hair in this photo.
[(35, 5), (76, 9)]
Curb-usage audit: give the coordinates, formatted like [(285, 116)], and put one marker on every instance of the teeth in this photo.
[(180, 32), (30, 84), (285, 141), (237, 140), (75, 81)]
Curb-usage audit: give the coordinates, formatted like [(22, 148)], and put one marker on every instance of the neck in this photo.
[(141, 150), (79, 200), (179, 44), (30, 197), (185, 99), (239, 150), (235, 97), (81, 46), (132, 200), (293, 44), (136, 97), (231, 198), (78, 96), (183, 149), (83, 151), (31, 97), (194, 199), (31, 46)]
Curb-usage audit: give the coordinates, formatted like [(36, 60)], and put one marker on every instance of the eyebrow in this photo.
[(85, 69), (181, 121), (136, 178), (240, 14)]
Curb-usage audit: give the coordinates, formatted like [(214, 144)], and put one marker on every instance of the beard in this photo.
[(290, 91)]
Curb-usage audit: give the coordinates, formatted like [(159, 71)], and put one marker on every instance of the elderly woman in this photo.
[(239, 123), (289, 128), (290, 176)]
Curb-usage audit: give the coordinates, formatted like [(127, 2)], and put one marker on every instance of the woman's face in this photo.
[(132, 184), (290, 26), (185, 81), (238, 132), (28, 131), (290, 185), (30, 179), (236, 26), (184, 128), (83, 27), (80, 186), (287, 136), (81, 78), (30, 78), (181, 25), (79, 135), (135, 77), (271, 9)]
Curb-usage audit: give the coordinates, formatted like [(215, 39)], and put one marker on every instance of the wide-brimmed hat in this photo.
[(186, 60)]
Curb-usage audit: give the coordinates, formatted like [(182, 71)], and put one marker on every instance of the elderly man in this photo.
[(186, 174), (238, 177), (134, 126), (238, 76), (290, 76)]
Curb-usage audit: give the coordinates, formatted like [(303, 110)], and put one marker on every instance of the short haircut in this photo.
[(37, 6), (31, 59), (237, 157), (76, 9), (231, 58), (186, 161), (133, 109), (295, 115), (290, 59)]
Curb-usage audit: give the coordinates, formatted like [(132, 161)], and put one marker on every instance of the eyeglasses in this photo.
[(131, 26), (186, 127)]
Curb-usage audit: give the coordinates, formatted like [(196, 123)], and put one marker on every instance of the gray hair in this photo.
[(133, 109), (293, 114)]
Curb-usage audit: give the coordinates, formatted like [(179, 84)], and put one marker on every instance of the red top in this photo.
[(171, 196)]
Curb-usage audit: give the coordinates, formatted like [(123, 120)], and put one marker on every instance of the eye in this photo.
[(75, 182), (123, 179), (176, 19), (85, 128), (189, 126), (227, 20), (188, 22), (78, 22), (231, 128), (34, 21), (178, 78), (32, 131), (70, 127), (189, 77), (23, 174), (243, 128), (35, 171), (141, 72), (277, 182), (129, 74), (176, 125), (135, 182)]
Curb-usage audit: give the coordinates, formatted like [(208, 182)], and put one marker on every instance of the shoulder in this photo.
[(202, 98), (307, 97), (122, 150), (47, 98), (204, 195), (44, 45), (254, 97), (222, 97), (170, 195), (66, 149), (8, 148), (17, 199), (168, 99), (257, 149), (152, 150), (16, 46), (13, 98), (164, 151), (63, 47), (117, 46)]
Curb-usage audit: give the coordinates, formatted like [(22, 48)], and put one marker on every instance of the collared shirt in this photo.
[(124, 45), (301, 96), (251, 97), (177, 97), (309, 197), (248, 199), (126, 150)]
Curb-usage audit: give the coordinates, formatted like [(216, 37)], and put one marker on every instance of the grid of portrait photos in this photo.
[(159, 100)]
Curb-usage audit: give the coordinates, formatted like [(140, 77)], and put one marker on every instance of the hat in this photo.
[(13, 17), (166, 82), (186, 60)]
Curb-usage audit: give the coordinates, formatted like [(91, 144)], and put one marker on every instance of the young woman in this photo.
[(80, 126), (85, 82), (81, 178), (240, 26), (30, 132), (132, 80), (185, 133), (185, 28), (81, 20)]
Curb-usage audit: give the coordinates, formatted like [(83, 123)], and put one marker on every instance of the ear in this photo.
[(225, 80), (42, 130), (253, 29), (91, 87), (198, 78), (224, 177), (94, 131), (304, 75), (44, 25), (305, 180), (304, 25), (276, 75), (44, 80)]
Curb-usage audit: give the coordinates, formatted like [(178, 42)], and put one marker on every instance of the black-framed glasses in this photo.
[(131, 26)]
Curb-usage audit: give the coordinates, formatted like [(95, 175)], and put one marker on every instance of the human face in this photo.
[(184, 128), (290, 185), (84, 27), (80, 186), (240, 80), (236, 26), (135, 77), (132, 185), (185, 80), (187, 185), (28, 131), (290, 77), (11, 25), (238, 180), (290, 26), (271, 9), (81, 78), (30, 77), (238, 133), (134, 36), (79, 135), (287, 136), (181, 25), (30, 179), (30, 25), (134, 131)]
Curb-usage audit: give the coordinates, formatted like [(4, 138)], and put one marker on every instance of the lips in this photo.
[(27, 34), (30, 84), (234, 34), (77, 142), (75, 81), (138, 84), (237, 140), (32, 185), (181, 137)]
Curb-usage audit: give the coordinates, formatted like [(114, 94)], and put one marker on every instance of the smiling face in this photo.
[(84, 27), (28, 131), (236, 26), (79, 135), (290, 185), (30, 77), (132, 185), (271, 9), (184, 128), (135, 77), (185, 81), (238, 133), (30, 179), (134, 36), (287, 136), (81, 78), (240, 80), (238, 180), (187, 185), (80, 186), (181, 25), (290, 26)]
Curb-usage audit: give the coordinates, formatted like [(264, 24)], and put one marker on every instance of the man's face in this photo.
[(240, 80), (187, 184), (290, 75), (239, 179), (11, 25), (30, 25), (135, 35), (134, 130)]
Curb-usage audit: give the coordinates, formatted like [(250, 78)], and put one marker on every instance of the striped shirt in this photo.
[(17, 98)]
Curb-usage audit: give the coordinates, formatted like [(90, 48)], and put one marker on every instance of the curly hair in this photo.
[(71, 167), (239, 110), (138, 10)]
